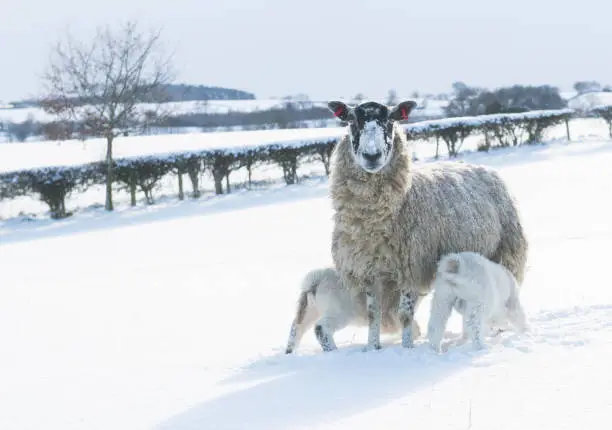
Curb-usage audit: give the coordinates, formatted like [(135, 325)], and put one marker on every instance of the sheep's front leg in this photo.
[(406, 310), (374, 311)]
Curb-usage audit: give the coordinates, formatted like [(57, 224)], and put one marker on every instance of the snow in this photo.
[(213, 106), (590, 100), (18, 115), (31, 155), (174, 316), (427, 107)]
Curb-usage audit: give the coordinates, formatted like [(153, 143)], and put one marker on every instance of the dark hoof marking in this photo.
[(322, 338)]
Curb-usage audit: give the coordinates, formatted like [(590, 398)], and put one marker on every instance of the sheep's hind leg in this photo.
[(406, 310)]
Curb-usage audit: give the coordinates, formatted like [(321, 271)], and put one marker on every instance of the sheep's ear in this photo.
[(340, 110), (402, 110)]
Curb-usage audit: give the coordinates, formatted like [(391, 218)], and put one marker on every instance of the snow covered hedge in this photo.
[(605, 113), (144, 173), (505, 129)]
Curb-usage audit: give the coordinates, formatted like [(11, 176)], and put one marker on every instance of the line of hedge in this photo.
[(54, 184), (499, 130)]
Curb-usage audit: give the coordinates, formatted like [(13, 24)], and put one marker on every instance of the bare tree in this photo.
[(605, 113), (587, 86), (359, 97), (391, 98), (102, 84)]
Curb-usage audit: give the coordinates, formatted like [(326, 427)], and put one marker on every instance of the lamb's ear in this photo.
[(402, 110), (340, 110)]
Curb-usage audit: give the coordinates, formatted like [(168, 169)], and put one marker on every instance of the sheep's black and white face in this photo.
[(371, 130)]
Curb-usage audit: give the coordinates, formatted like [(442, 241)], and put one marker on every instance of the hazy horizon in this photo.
[(332, 49)]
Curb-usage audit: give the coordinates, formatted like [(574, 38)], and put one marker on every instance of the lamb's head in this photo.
[(372, 128)]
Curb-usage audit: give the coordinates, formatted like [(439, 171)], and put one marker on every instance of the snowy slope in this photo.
[(590, 100), (174, 317), (212, 106), (30, 155)]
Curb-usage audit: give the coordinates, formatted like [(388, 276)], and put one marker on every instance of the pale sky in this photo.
[(333, 48)]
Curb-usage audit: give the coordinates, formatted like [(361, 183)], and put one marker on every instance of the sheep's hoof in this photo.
[(479, 346), (374, 347)]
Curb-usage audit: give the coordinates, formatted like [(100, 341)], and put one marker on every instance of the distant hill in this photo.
[(186, 93), (177, 93)]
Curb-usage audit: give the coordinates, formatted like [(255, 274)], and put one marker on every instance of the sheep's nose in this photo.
[(372, 157)]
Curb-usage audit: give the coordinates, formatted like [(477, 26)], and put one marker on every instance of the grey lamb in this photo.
[(393, 222)]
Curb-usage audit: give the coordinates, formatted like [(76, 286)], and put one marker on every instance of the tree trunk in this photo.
[(437, 147), (218, 178), (227, 183), (325, 159), (193, 177), (133, 188), (109, 174), (148, 195), (567, 130), (181, 195), (610, 128)]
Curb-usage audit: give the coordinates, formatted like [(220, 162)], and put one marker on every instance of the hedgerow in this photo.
[(144, 173)]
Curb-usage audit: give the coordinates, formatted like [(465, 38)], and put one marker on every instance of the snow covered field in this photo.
[(212, 106), (174, 317), (429, 107)]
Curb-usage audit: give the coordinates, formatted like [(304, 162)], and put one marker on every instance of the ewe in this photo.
[(393, 222)]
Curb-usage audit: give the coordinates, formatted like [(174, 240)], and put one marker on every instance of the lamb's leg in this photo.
[(516, 316), (325, 329), (305, 318), (291, 342), (475, 324), (406, 310), (441, 309), (515, 312), (373, 307)]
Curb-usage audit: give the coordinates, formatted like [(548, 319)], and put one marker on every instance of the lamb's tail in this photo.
[(459, 285), (306, 313), (449, 271)]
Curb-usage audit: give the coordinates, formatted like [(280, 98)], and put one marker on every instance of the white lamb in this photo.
[(485, 293), (325, 302)]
